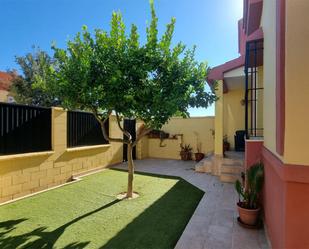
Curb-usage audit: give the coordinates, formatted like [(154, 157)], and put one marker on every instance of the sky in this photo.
[(211, 25)]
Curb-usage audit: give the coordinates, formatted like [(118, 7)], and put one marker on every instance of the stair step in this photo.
[(232, 169), (226, 177), (235, 155), (230, 161), (204, 166)]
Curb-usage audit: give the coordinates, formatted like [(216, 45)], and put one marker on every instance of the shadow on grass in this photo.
[(161, 224), (148, 174), (39, 237), (158, 226)]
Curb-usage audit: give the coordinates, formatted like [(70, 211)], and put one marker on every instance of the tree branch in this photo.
[(142, 131), (126, 133), (102, 124)]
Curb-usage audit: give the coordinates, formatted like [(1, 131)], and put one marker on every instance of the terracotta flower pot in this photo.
[(186, 156), (199, 156), (226, 146), (248, 216)]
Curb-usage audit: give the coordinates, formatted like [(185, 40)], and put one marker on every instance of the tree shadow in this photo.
[(162, 223), (40, 237)]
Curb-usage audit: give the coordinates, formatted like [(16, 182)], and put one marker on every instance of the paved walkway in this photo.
[(213, 224)]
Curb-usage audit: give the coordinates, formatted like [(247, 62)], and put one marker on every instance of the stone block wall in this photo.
[(24, 174)]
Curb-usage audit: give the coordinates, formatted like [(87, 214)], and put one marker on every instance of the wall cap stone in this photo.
[(22, 155), (88, 147)]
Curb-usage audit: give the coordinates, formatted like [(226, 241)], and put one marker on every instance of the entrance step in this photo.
[(232, 169), (233, 161), (235, 155), (228, 168), (229, 177), (204, 166)]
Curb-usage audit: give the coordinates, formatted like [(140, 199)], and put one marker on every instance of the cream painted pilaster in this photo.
[(219, 120)]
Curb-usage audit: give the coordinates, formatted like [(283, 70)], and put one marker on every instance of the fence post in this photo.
[(59, 129)]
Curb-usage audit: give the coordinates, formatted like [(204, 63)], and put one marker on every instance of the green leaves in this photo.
[(152, 30), (32, 86), (239, 188), (112, 71), (254, 184)]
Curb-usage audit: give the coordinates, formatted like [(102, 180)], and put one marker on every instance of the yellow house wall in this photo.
[(142, 147), (296, 83), (195, 130), (269, 75), (24, 174), (233, 114), (219, 120), (188, 130), (169, 148), (3, 95)]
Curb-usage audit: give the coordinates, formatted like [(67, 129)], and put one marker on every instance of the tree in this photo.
[(113, 73), (35, 68)]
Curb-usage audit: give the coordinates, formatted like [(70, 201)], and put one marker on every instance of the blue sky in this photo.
[(211, 25)]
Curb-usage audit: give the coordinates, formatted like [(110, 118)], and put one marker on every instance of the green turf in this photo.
[(86, 214)]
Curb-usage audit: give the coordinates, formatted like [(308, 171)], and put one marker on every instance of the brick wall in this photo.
[(24, 174)]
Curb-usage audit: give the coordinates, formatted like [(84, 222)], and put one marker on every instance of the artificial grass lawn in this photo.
[(87, 214)]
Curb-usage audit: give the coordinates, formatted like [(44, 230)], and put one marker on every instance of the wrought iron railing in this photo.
[(253, 91)]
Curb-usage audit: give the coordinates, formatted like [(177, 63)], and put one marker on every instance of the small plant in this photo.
[(249, 190), (186, 152), (186, 148), (213, 132), (198, 143), (198, 155), (226, 144)]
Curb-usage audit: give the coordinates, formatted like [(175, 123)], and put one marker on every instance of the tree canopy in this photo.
[(35, 69), (112, 71)]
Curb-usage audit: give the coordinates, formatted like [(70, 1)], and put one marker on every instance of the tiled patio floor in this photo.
[(213, 224)]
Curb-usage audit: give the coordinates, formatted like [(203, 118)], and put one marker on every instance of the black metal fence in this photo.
[(24, 129), (83, 130)]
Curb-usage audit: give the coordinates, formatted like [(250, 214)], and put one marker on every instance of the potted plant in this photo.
[(249, 194), (186, 152), (226, 144), (198, 155)]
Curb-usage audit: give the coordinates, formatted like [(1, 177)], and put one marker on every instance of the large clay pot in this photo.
[(226, 146), (199, 156), (248, 216)]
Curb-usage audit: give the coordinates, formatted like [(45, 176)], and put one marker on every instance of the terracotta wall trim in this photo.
[(280, 76), (286, 172)]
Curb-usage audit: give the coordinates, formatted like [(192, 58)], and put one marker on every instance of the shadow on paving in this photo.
[(45, 239)]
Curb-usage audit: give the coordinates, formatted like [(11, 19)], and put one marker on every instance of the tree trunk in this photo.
[(143, 131), (130, 171)]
